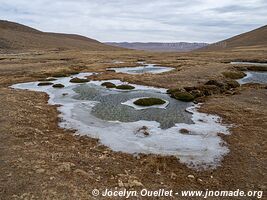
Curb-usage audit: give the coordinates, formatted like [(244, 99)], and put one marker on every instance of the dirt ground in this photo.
[(39, 160)]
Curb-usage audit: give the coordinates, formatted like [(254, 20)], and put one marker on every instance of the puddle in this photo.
[(101, 113), (147, 68), (249, 63), (254, 77)]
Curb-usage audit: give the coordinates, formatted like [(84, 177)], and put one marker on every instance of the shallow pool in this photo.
[(147, 68), (98, 112), (254, 77)]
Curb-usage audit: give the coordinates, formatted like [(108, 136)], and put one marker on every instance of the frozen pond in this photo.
[(147, 68), (249, 63), (254, 77), (101, 113)]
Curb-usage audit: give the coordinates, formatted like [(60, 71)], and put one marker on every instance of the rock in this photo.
[(120, 183), (40, 171), (134, 183), (78, 80), (173, 176), (83, 173), (65, 167), (191, 176), (58, 85), (108, 85), (149, 102), (125, 87), (143, 131), (183, 96)]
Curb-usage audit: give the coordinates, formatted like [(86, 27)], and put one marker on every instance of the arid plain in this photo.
[(39, 160)]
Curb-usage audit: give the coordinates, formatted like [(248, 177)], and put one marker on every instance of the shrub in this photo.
[(125, 87), (149, 102)]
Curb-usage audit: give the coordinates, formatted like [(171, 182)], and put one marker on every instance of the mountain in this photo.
[(14, 36), (156, 46), (253, 40)]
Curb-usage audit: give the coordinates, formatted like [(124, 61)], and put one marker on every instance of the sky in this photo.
[(140, 20)]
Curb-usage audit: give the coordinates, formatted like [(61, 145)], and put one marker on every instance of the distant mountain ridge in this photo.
[(15, 36), (255, 39), (158, 46)]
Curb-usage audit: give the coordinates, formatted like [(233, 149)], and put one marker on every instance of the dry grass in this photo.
[(41, 160)]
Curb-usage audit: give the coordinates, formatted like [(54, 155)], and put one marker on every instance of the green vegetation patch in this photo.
[(257, 68), (234, 74), (232, 84), (79, 80), (45, 83), (149, 102), (58, 85), (108, 85), (125, 87), (183, 96)]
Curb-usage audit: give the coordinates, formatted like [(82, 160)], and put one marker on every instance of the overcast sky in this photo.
[(140, 20)]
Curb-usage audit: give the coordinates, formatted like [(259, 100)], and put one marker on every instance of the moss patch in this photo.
[(149, 102), (184, 131), (234, 74), (257, 68), (58, 85), (232, 84), (108, 85), (125, 87), (45, 83), (78, 80), (183, 96)]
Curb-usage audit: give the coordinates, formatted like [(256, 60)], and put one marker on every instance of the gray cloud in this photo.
[(135, 20)]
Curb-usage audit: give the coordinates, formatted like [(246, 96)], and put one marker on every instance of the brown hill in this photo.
[(253, 40), (14, 36)]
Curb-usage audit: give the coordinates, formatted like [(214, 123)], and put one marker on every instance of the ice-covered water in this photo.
[(89, 109), (254, 77), (249, 63), (145, 68)]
